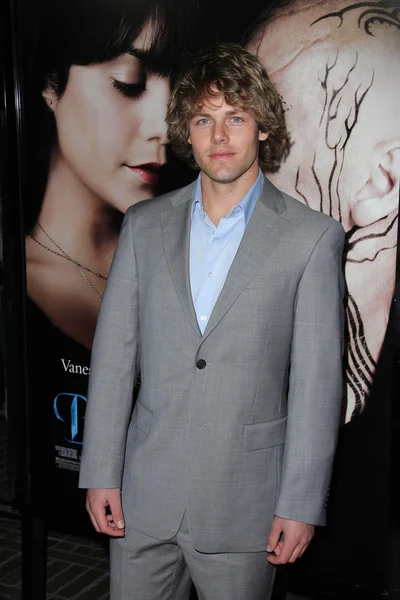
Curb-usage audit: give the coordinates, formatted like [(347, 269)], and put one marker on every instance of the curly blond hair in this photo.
[(230, 71)]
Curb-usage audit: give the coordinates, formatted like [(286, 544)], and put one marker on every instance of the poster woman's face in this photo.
[(111, 127)]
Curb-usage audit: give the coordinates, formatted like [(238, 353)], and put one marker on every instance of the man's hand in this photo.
[(296, 538), (105, 511)]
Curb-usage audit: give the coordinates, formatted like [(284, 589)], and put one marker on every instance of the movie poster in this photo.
[(98, 75)]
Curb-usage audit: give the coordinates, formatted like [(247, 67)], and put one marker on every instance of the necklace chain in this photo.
[(75, 263)]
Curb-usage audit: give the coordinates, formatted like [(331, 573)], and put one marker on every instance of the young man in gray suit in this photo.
[(226, 296)]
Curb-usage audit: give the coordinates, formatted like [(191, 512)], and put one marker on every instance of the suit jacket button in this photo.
[(201, 364)]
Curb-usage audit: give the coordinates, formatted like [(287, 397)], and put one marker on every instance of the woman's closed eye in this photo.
[(129, 90)]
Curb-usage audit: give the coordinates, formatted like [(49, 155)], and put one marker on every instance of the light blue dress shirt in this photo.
[(212, 249)]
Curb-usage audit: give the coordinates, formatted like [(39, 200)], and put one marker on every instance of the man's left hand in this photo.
[(289, 540)]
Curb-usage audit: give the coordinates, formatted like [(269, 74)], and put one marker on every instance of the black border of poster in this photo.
[(13, 299), (14, 314)]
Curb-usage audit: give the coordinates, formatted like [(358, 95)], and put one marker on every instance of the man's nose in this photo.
[(219, 133)]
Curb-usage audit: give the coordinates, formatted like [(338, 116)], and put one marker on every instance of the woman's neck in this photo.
[(78, 220)]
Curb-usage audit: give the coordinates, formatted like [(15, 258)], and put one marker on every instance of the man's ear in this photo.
[(262, 136), (379, 196), (50, 97)]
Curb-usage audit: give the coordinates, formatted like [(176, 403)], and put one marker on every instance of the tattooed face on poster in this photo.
[(335, 65)]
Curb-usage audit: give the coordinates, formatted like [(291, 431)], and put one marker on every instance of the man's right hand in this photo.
[(110, 522)]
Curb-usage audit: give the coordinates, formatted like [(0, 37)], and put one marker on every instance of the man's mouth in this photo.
[(221, 155)]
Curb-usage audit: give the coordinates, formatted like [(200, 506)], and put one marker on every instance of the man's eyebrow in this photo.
[(233, 112), (228, 112)]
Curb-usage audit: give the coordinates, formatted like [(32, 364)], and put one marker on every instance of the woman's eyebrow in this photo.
[(140, 54), (149, 59), (145, 56)]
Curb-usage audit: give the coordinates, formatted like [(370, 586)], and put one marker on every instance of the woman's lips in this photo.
[(149, 172)]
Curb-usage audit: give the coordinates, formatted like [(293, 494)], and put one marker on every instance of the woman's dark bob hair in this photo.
[(64, 33)]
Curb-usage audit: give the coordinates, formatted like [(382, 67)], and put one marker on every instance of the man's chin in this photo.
[(222, 176)]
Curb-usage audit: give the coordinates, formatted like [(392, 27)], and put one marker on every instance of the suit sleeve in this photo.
[(315, 383), (112, 370)]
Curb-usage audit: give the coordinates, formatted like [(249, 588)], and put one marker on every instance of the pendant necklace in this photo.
[(75, 263)]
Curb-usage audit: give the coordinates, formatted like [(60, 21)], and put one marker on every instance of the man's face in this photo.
[(335, 65), (224, 140)]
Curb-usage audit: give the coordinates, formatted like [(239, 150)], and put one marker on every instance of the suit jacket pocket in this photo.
[(142, 417), (265, 435), (263, 279)]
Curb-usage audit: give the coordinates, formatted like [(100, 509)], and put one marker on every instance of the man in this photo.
[(335, 64), (227, 296)]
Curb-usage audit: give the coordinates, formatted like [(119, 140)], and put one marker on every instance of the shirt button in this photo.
[(210, 274), (201, 364), (203, 318)]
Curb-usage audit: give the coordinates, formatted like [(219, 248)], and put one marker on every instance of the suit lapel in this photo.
[(263, 231), (175, 226)]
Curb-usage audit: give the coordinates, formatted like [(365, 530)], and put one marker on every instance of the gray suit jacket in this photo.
[(240, 423)]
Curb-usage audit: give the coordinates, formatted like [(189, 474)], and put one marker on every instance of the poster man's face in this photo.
[(336, 66)]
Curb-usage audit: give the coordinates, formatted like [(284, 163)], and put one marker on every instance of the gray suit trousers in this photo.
[(144, 568)]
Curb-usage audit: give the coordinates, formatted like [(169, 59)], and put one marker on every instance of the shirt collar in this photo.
[(246, 205)]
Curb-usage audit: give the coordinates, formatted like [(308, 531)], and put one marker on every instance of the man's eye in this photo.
[(237, 119), (129, 90), (202, 122)]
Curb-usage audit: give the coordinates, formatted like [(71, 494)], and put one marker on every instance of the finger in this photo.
[(117, 513), (304, 549), (274, 536), (296, 553), (110, 529), (94, 522), (299, 551), (111, 522), (285, 553), (115, 532), (96, 507), (112, 526), (99, 513), (103, 525), (99, 517), (92, 517), (278, 548)]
